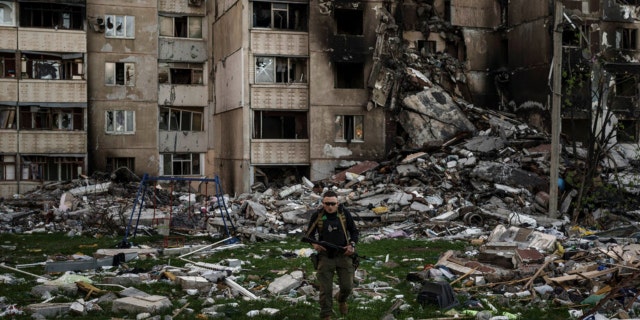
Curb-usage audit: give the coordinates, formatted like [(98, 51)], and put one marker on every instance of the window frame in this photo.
[(173, 22), (293, 124), (10, 5), (47, 118), (128, 31), (114, 163), (269, 65), (5, 164), (169, 162), (45, 168), (166, 122), (168, 73), (112, 70), (8, 118), (343, 122), (128, 119), (289, 18)]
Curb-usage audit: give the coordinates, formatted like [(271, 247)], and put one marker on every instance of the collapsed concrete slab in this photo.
[(432, 115)]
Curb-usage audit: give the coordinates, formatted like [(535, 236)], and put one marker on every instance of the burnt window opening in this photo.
[(181, 119), (280, 125), (280, 70), (285, 16), (626, 39), (349, 75), (570, 37), (45, 118), (114, 163), (426, 46), (7, 117), (627, 131), (181, 27), (278, 176), (349, 22), (51, 15), (43, 168), (7, 65), (180, 73)]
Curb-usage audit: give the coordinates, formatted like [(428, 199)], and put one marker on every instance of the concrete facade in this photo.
[(284, 118), (43, 95)]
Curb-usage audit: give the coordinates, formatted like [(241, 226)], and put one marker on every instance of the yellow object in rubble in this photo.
[(380, 210)]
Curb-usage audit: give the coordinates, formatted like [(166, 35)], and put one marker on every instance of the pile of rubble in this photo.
[(487, 186)]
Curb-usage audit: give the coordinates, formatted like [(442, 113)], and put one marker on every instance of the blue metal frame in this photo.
[(143, 188)]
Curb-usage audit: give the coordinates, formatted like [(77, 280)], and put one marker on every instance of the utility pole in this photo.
[(555, 110)]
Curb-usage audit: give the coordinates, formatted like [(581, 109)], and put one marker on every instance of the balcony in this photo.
[(52, 40), (289, 43), (272, 97), (292, 152), (182, 141), (182, 49), (8, 38), (8, 89), (65, 91), (56, 142), (182, 95)]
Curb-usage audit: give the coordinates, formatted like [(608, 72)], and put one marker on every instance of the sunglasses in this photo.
[(329, 203)]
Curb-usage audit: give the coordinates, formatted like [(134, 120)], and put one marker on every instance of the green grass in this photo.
[(387, 260)]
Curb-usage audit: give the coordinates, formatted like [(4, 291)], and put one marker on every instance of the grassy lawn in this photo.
[(386, 263)]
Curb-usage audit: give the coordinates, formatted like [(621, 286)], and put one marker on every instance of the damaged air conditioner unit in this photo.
[(195, 3)]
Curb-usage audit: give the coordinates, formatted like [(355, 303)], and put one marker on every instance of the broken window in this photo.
[(281, 70), (349, 22), (280, 125), (114, 163), (7, 13), (119, 26), (182, 27), (51, 15), (42, 168), (7, 167), (7, 117), (180, 73), (7, 65), (287, 16), (626, 39), (119, 73), (52, 66), (120, 121), (349, 75), (181, 119), (45, 118), (349, 128), (181, 164)]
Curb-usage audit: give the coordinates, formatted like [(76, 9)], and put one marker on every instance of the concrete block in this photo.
[(283, 284), (194, 282), (151, 304), (49, 310)]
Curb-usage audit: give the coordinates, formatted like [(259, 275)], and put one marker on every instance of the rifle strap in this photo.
[(318, 223)]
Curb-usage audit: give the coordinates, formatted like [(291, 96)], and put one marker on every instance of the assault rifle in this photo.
[(339, 249), (325, 244)]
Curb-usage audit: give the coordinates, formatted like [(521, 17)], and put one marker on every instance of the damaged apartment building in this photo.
[(253, 90)]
